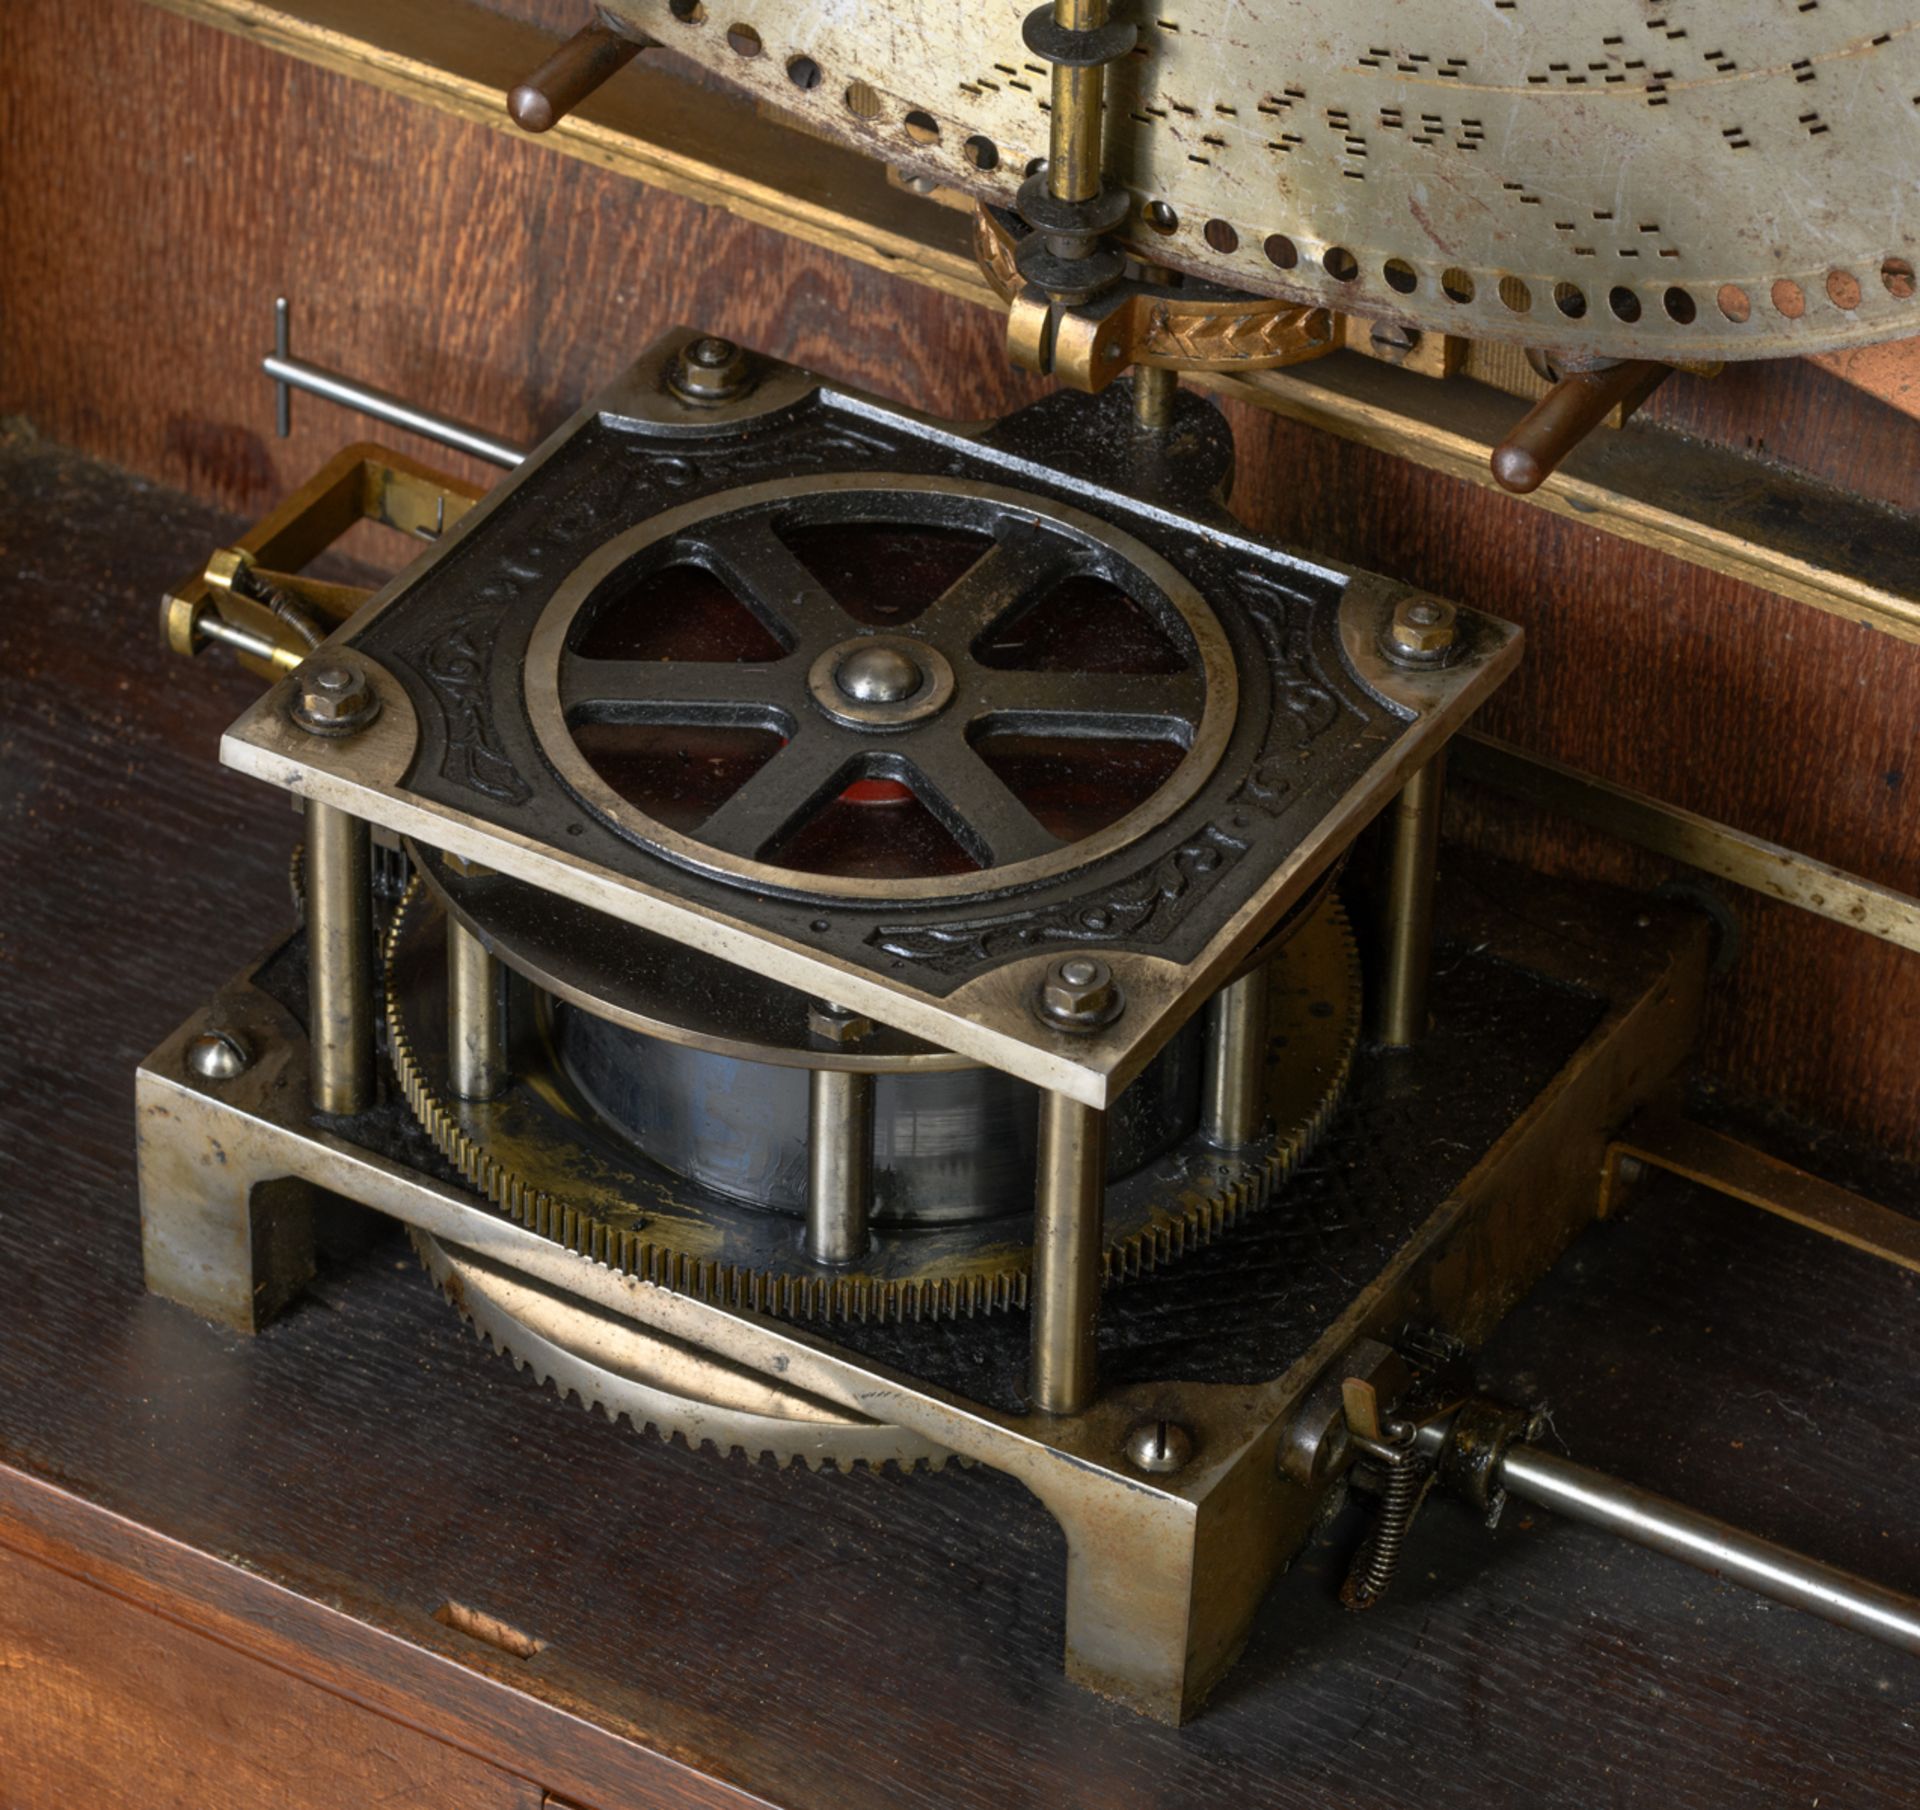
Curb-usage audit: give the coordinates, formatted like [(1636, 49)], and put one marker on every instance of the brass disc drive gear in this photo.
[(540, 1153)]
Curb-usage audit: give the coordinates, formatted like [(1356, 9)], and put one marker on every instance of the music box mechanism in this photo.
[(868, 940)]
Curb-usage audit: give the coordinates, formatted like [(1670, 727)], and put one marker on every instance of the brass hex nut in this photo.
[(1423, 629), (1079, 993), (711, 369), (334, 698), (180, 622), (225, 566)]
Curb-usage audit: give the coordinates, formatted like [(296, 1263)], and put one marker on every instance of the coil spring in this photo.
[(1379, 1557)]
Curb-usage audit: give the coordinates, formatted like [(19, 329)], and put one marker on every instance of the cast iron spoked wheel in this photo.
[(1032, 682)]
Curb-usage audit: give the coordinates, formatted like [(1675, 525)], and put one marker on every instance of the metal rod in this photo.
[(839, 1165), (1648, 1520), (339, 958), (1565, 416), (282, 350), (1401, 1006), (382, 405), (212, 626), (593, 55), (1068, 1231), (1680, 835), (1154, 391), (476, 1016), (1073, 149), (1234, 1105)]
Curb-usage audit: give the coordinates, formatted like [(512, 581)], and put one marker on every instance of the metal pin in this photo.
[(1068, 1232), (839, 1164), (339, 958), (593, 55), (1234, 1103), (476, 1016), (282, 350), (1401, 1009)]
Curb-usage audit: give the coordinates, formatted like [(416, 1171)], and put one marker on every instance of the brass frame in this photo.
[(1164, 1573)]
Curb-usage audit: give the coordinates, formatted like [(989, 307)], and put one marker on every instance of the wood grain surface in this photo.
[(295, 1508), (190, 177)]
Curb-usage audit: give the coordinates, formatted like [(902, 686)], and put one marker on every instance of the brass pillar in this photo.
[(1068, 1236), (476, 1016), (839, 1165), (1401, 1005), (339, 958), (1073, 141), (1234, 1102)]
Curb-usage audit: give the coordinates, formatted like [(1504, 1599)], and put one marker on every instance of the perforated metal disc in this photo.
[(1675, 179)]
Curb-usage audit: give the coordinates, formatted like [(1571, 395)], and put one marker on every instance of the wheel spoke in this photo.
[(696, 693), (788, 789), (1129, 706), (976, 804), (1016, 567), (758, 567)]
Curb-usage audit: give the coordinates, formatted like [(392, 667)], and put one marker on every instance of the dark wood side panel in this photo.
[(108, 1706), (164, 182)]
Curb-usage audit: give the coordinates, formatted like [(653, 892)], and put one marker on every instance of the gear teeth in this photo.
[(489, 1332), (1194, 1219)]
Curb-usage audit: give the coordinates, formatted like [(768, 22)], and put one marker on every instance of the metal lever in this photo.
[(1565, 415), (290, 374), (593, 55), (1476, 1451)]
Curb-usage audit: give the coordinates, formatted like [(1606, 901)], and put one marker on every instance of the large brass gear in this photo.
[(536, 1154), (653, 1382)]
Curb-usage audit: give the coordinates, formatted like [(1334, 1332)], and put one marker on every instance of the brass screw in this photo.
[(1423, 629), (334, 700), (1159, 1447), (1394, 341), (1079, 993), (219, 1056)]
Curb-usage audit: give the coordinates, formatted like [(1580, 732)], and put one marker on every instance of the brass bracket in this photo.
[(362, 482)]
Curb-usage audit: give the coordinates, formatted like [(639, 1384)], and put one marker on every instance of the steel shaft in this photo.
[(1648, 1520), (1068, 1214), (1073, 161), (476, 1016), (339, 958), (1234, 1109), (1401, 1010), (839, 1165)]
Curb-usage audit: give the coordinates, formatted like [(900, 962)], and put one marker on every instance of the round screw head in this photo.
[(219, 1056), (335, 699), (878, 675), (1423, 629), (1159, 1447), (1079, 993), (713, 352)]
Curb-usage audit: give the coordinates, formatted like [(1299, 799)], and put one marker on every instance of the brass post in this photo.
[(339, 958), (476, 1016), (1401, 1008), (1068, 1228), (839, 1164), (1234, 1105), (1073, 141), (1154, 390)]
